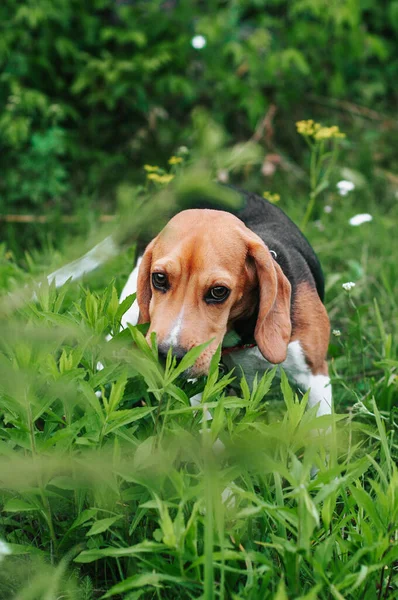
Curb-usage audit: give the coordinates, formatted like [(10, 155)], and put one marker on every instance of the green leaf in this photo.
[(113, 304), (116, 394), (287, 392), (92, 399), (106, 375), (145, 547), (322, 186), (281, 592), (169, 537), (383, 437), (121, 418), (102, 525), (364, 500), (140, 341), (125, 305), (65, 483), (84, 516), (17, 505), (19, 549), (312, 594), (188, 360), (144, 579)]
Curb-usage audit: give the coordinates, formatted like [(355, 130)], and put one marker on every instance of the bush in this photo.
[(88, 90)]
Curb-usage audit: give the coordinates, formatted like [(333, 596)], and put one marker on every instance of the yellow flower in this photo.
[(306, 127), (336, 132), (311, 129), (175, 160), (166, 178), (150, 168), (271, 197), (160, 178), (325, 133)]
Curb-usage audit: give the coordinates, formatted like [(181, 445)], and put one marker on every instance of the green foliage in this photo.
[(88, 89), (112, 485)]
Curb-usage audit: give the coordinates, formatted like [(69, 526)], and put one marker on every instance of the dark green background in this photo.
[(90, 91)]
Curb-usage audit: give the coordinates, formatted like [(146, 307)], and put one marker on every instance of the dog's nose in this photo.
[(177, 351)]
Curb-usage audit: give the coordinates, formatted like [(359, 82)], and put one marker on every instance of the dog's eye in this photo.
[(160, 281), (217, 294)]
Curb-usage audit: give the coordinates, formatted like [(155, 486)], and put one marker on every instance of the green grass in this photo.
[(109, 482)]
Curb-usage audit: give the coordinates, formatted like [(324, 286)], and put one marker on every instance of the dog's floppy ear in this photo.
[(273, 327), (144, 291)]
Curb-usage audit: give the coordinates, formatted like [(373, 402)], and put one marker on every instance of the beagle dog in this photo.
[(251, 276)]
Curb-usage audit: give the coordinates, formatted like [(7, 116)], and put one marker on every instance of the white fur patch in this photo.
[(196, 400), (320, 393), (174, 335), (131, 316)]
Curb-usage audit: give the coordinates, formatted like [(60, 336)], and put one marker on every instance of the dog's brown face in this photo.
[(204, 271)]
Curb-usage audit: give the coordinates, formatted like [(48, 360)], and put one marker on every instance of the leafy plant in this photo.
[(322, 160)]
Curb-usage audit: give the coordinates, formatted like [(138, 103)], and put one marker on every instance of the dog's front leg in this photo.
[(318, 384)]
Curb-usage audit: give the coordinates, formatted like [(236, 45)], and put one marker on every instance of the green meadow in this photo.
[(111, 484)]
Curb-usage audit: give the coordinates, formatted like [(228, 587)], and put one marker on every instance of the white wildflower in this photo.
[(348, 286), (4, 550), (328, 209), (344, 187), (198, 42), (223, 175), (336, 332), (319, 225), (359, 219)]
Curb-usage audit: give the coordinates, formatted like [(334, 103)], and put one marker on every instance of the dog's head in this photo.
[(205, 271)]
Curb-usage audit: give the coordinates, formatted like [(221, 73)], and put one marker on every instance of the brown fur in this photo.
[(311, 327)]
